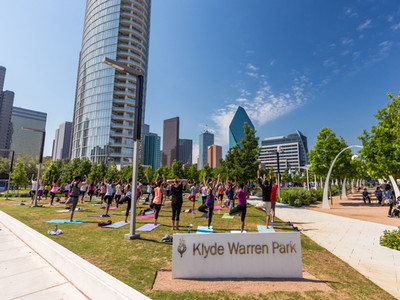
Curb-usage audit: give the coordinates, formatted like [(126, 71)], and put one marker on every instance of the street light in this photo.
[(308, 179), (40, 160), (11, 168), (277, 152), (137, 129)]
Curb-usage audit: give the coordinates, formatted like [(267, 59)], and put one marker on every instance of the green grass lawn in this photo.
[(136, 262)]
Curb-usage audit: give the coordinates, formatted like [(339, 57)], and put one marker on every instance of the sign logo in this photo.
[(182, 246)]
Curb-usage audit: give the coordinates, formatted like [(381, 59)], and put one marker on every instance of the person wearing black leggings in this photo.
[(177, 200), (75, 192), (208, 207)]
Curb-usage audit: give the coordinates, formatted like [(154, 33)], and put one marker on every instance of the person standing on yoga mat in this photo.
[(265, 204), (109, 194), (208, 207), (127, 198), (75, 192), (230, 192), (177, 200), (242, 204), (157, 200), (53, 190)]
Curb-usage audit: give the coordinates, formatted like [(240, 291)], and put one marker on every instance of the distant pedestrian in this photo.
[(366, 196), (379, 195)]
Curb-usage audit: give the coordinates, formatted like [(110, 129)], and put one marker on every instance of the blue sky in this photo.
[(292, 64)]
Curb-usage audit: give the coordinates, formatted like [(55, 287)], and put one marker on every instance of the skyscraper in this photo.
[(185, 151), (62, 141), (6, 105), (206, 139), (294, 150), (151, 150), (213, 155), (27, 142), (170, 141), (236, 130), (105, 97)]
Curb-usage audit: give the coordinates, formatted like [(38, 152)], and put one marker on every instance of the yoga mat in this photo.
[(217, 207), (169, 206), (145, 217), (66, 221), (116, 225), (238, 231), (101, 215), (64, 210), (205, 215), (148, 227), (150, 212), (227, 216), (261, 228), (168, 202), (114, 207), (204, 229)]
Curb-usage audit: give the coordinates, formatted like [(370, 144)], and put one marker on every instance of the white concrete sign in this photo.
[(247, 255)]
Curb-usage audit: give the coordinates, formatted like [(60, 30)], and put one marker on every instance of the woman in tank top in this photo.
[(242, 204)]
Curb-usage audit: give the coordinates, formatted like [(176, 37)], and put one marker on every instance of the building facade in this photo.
[(151, 150), (105, 97), (293, 151), (206, 139), (25, 142), (214, 153), (185, 151), (236, 130), (6, 105), (170, 149), (62, 141)]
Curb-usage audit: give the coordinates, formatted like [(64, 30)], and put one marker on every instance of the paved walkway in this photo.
[(24, 274), (354, 241)]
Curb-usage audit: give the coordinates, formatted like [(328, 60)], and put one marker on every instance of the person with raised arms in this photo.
[(266, 187), (242, 204), (53, 190), (108, 198), (75, 192), (177, 200), (208, 207), (158, 195), (230, 192)]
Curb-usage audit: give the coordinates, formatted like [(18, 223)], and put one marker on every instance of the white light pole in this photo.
[(40, 160), (325, 202), (308, 179), (136, 137), (277, 152)]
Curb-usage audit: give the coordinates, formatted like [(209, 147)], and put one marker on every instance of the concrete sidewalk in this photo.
[(355, 242)]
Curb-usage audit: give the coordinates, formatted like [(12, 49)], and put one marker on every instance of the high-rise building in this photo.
[(185, 151), (293, 151), (62, 141), (206, 139), (151, 150), (214, 153), (27, 142), (236, 130), (6, 105), (105, 97), (170, 141)]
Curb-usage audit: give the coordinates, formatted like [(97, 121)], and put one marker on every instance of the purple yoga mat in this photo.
[(101, 215), (217, 207), (148, 227), (145, 217)]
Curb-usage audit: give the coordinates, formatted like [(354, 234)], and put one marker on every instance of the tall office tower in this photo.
[(185, 151), (62, 141), (105, 97), (151, 150), (27, 142), (206, 139), (170, 141), (293, 151), (236, 130), (214, 153), (6, 105)]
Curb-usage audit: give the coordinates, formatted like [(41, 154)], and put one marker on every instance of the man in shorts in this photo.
[(265, 204), (192, 195)]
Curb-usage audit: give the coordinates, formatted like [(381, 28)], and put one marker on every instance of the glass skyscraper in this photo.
[(151, 150), (105, 97), (206, 139), (236, 130)]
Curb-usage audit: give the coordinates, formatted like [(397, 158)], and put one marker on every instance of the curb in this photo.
[(89, 279)]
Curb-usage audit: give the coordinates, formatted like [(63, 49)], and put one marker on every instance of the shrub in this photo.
[(298, 203), (391, 239)]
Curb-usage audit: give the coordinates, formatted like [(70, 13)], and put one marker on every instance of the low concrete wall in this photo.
[(93, 282)]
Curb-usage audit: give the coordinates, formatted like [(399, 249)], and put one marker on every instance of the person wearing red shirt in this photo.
[(273, 200)]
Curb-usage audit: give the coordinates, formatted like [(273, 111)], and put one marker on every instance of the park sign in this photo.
[(235, 255)]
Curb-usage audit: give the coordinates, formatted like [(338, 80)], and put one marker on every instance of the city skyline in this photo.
[(335, 67)]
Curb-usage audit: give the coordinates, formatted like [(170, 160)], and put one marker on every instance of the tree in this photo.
[(176, 169), (4, 168), (381, 146), (193, 174), (85, 167), (296, 176), (94, 174), (112, 172), (19, 176), (51, 172), (242, 162), (208, 171), (148, 172), (30, 166), (166, 171), (285, 176)]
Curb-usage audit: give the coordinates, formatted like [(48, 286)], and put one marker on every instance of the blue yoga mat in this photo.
[(116, 225), (262, 228), (204, 229), (66, 221)]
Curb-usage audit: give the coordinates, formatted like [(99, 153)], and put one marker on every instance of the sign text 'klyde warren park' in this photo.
[(227, 255)]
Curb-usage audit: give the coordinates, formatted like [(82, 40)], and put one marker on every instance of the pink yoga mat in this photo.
[(145, 217), (217, 207), (168, 201), (113, 207)]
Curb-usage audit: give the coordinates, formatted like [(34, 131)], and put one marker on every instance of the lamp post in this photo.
[(11, 168), (40, 160), (277, 152), (136, 137), (308, 179)]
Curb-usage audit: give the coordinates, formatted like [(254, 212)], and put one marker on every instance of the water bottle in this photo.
[(189, 229), (55, 229)]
